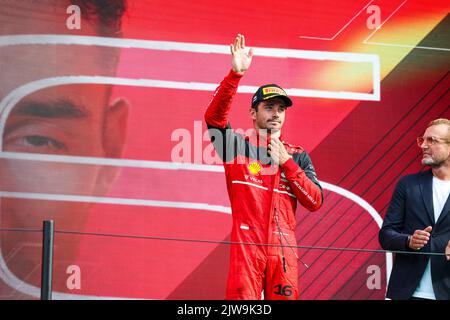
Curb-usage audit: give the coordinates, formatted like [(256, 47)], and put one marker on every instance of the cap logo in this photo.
[(272, 90)]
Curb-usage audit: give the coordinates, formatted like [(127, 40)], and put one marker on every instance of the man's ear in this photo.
[(253, 113), (114, 135), (115, 128)]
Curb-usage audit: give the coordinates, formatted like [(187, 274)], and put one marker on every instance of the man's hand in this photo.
[(420, 238), (447, 250), (241, 60), (277, 151)]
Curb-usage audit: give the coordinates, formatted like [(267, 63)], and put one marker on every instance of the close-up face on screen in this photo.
[(141, 130)]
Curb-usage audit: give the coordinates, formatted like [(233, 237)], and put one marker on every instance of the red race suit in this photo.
[(263, 200)]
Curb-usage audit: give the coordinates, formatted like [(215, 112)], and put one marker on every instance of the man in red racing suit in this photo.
[(265, 178)]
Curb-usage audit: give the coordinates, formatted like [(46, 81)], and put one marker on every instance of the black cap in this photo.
[(269, 91)]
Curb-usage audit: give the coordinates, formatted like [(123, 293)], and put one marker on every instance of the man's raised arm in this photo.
[(218, 109)]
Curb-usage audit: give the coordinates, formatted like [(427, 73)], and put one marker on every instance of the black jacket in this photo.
[(411, 208)]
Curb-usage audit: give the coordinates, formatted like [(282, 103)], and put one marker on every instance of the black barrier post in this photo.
[(47, 260)]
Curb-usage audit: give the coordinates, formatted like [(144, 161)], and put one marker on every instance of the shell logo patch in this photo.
[(254, 168)]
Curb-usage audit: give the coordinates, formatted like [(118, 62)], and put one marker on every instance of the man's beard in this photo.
[(432, 163), (271, 130)]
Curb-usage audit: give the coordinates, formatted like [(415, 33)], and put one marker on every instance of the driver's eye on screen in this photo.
[(34, 144)]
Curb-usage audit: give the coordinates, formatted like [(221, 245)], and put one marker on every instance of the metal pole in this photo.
[(47, 260)]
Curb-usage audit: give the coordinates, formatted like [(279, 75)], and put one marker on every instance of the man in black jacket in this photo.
[(418, 221)]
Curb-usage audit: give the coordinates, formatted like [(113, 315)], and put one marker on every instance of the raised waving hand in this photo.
[(241, 59)]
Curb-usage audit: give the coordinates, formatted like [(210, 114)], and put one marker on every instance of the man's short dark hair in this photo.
[(106, 18), (106, 14)]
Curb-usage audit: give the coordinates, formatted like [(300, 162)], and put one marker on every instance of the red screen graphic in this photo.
[(101, 116)]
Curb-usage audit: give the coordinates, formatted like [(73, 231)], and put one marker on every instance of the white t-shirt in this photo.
[(441, 191)]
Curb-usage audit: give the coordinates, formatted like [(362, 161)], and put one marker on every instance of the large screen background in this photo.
[(138, 198)]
